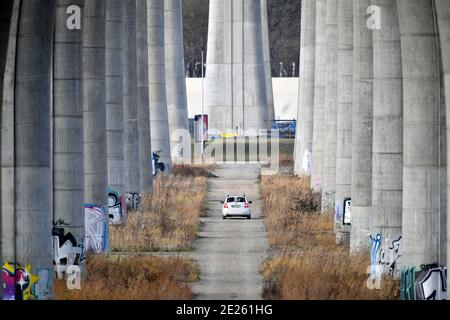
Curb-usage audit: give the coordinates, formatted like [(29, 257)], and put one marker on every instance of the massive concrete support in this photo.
[(304, 137), (361, 127), (387, 186), (443, 14), (235, 93), (33, 187), (94, 104), (344, 114), (175, 76), (68, 150), (421, 196), (329, 148), (8, 32), (114, 97), (130, 110), (267, 63), (319, 94), (145, 148), (157, 82)]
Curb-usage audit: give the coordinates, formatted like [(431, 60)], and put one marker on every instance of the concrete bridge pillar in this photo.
[(267, 63), (387, 173), (68, 149), (160, 137), (421, 162), (361, 187), (304, 137), (329, 148), (32, 177), (344, 116), (145, 147), (115, 101), (175, 75), (130, 108), (235, 92), (319, 95)]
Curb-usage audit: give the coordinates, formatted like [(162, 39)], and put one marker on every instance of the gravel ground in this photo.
[(230, 252)]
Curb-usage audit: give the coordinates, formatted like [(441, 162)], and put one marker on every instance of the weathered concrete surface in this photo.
[(235, 86), (175, 77), (387, 173), (443, 14), (157, 81), (94, 104), (362, 127), (68, 149), (344, 112), (130, 108), (145, 146), (114, 96), (267, 63), (320, 80), (9, 13), (421, 194), (33, 186), (230, 252), (304, 137), (329, 149)]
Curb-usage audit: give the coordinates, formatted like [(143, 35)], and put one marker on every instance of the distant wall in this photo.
[(285, 92)]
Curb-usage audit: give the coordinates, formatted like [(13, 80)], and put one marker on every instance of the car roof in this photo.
[(236, 197)]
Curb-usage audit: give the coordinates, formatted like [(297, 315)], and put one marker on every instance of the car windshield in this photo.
[(231, 199)]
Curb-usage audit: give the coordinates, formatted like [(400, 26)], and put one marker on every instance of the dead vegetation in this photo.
[(133, 278), (169, 218), (307, 264)]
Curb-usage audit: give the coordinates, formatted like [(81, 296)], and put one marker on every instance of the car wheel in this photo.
[(249, 217), (224, 217)]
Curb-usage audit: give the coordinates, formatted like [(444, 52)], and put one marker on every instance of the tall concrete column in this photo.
[(130, 109), (68, 150), (8, 33), (267, 64), (361, 188), (443, 14), (157, 82), (305, 118), (175, 76), (33, 186), (421, 197), (94, 104), (235, 92), (145, 147), (344, 115), (387, 173), (329, 148), (319, 95), (115, 99)]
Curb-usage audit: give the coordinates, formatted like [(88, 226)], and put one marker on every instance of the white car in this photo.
[(236, 206)]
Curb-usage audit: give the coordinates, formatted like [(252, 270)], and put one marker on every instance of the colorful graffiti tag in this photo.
[(428, 283), (18, 283), (97, 228), (386, 255), (116, 208), (133, 201), (66, 251)]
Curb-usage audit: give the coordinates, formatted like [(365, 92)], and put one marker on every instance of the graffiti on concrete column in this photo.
[(133, 201), (116, 207), (385, 256), (343, 211), (66, 251), (18, 283), (97, 227), (427, 283)]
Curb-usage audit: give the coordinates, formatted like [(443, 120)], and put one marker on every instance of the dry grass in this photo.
[(308, 265), (133, 278), (169, 219)]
